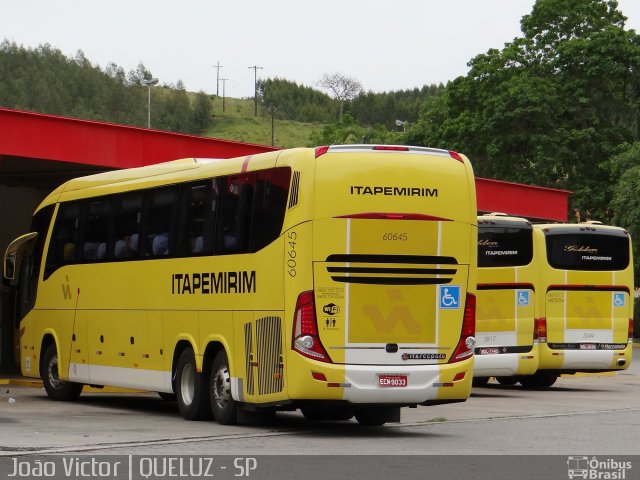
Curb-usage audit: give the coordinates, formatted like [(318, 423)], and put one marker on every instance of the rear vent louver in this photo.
[(269, 348), (295, 186), (391, 269)]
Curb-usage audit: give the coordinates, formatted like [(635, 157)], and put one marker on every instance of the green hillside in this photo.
[(239, 123)]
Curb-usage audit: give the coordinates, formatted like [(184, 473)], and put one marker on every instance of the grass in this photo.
[(239, 123)]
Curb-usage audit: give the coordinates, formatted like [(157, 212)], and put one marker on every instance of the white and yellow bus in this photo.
[(506, 337), (584, 300), (338, 280)]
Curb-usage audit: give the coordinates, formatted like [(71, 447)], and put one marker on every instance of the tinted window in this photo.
[(504, 246), (156, 221), (587, 251), (126, 213), (234, 217), (63, 247), (95, 231), (196, 229), (269, 205)]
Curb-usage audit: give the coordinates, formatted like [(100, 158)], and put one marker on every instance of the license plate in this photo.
[(587, 346), (393, 381), (489, 351)]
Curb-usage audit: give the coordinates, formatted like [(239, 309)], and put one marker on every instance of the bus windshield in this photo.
[(504, 246), (587, 251)]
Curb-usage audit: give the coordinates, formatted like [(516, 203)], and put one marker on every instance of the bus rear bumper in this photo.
[(584, 360), (382, 384), (505, 364)]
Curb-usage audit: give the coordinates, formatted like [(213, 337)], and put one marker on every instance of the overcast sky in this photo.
[(386, 45)]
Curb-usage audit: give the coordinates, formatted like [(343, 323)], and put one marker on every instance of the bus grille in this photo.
[(269, 349), (391, 269)]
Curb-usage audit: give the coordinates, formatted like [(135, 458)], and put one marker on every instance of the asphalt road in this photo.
[(579, 415)]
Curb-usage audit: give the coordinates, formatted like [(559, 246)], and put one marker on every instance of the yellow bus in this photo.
[(506, 337), (338, 280), (584, 301)]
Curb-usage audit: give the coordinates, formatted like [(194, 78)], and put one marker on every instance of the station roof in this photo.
[(42, 151)]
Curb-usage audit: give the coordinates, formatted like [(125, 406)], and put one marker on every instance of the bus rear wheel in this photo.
[(191, 388), (508, 381), (57, 389), (538, 380), (223, 406)]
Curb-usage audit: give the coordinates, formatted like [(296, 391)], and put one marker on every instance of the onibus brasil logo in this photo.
[(597, 468)]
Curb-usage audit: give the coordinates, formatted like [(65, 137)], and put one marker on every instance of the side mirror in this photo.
[(14, 255)]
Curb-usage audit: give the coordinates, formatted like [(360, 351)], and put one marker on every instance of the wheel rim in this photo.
[(52, 373), (221, 387), (187, 384)]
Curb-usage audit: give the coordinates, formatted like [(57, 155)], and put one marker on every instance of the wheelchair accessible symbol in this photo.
[(523, 297), (449, 297), (618, 299)]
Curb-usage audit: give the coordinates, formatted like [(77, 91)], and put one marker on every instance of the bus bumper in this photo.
[(570, 360), (505, 364), (369, 384)]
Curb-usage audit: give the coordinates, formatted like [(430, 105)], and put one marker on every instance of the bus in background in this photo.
[(506, 341), (584, 301), (338, 280)]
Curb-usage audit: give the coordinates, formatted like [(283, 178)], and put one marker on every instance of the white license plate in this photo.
[(489, 351), (587, 346), (393, 381)]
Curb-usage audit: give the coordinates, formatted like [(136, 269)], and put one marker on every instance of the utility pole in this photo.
[(217, 66), (255, 87), (224, 84)]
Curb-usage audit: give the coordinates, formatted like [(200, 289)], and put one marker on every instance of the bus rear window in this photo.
[(504, 246), (587, 251)]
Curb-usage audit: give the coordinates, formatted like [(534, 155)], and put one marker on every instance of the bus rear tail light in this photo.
[(305, 329), (630, 330), (541, 330), (467, 335)]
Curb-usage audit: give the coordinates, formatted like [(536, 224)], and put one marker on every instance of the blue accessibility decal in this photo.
[(618, 299), (449, 297), (522, 298)]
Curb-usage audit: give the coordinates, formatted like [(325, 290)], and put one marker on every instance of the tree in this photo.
[(343, 88), (550, 106)]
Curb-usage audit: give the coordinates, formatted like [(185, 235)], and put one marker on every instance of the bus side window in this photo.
[(95, 231), (234, 218), (157, 221), (196, 220), (63, 245), (127, 210), (269, 206)]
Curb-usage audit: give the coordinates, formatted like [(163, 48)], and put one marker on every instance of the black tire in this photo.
[(507, 381), (57, 389), (191, 388), (539, 380), (168, 397), (374, 417), (335, 414), (223, 406), (480, 381)]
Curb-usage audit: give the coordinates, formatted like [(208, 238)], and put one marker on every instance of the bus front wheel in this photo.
[(223, 406), (57, 389), (191, 388)]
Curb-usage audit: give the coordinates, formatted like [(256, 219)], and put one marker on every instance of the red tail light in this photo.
[(391, 148), (541, 330), (305, 329), (467, 335), (321, 150), (631, 330)]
